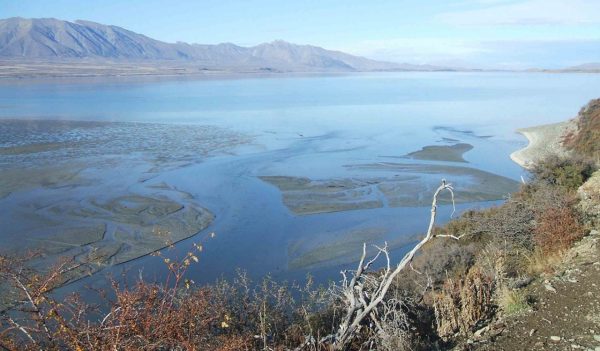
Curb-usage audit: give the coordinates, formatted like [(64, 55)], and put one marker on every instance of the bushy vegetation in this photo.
[(586, 141), (569, 172), (173, 315)]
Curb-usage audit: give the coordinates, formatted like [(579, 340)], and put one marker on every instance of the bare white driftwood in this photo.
[(363, 293)]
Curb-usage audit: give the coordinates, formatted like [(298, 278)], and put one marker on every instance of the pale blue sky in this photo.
[(481, 33)]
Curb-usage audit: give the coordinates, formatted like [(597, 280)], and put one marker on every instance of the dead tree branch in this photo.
[(363, 293)]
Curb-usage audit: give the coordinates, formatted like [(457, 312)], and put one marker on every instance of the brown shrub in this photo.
[(234, 343), (173, 315), (557, 229), (476, 297), (447, 311), (463, 303)]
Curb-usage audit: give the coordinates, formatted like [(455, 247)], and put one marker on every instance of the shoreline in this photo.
[(30, 69), (11, 70), (543, 141)]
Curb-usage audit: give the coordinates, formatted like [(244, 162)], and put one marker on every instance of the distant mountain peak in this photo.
[(86, 23)]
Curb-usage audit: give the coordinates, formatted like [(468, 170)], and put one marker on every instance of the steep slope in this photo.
[(51, 38), (565, 315), (586, 139)]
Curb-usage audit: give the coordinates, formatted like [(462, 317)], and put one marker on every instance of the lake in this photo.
[(285, 175)]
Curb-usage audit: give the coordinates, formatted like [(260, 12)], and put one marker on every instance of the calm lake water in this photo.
[(314, 127)]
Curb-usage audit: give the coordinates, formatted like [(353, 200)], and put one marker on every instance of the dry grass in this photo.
[(539, 262), (512, 301)]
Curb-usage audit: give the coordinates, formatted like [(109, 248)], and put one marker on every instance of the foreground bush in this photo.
[(173, 315)]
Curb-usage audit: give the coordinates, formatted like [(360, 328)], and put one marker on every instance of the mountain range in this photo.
[(586, 67), (49, 39)]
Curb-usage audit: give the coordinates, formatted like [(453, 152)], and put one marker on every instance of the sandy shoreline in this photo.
[(543, 140)]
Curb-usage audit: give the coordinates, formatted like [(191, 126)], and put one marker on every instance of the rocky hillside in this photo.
[(564, 313), (51, 38)]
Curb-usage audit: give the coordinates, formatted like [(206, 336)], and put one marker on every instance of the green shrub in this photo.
[(568, 172)]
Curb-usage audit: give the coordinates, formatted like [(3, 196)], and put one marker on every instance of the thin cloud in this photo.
[(451, 52), (528, 13), (510, 54)]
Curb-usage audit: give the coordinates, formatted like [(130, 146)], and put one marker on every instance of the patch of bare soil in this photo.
[(565, 309)]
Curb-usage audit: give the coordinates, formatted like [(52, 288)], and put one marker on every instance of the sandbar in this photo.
[(543, 140)]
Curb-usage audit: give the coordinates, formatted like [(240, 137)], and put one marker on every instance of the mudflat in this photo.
[(450, 153), (84, 190), (396, 185)]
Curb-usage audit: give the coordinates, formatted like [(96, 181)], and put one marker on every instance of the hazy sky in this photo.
[(483, 33)]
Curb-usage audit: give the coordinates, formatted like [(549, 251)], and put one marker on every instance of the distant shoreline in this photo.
[(543, 140), (15, 70), (11, 69)]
